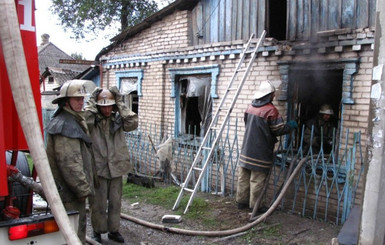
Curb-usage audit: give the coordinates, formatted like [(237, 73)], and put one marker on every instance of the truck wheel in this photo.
[(21, 192)]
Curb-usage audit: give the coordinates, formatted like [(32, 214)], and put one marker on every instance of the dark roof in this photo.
[(60, 75), (146, 23), (89, 73), (49, 56)]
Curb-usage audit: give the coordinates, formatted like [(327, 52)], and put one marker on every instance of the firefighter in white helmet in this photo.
[(69, 151), (108, 118), (263, 124), (323, 122)]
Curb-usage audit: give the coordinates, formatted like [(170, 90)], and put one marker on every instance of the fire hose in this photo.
[(258, 220), (14, 174), (17, 70)]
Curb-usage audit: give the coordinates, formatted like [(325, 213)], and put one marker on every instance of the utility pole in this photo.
[(372, 228)]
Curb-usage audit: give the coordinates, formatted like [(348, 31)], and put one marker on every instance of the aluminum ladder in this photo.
[(223, 111)]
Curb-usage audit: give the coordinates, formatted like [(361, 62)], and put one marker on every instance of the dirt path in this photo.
[(279, 228)]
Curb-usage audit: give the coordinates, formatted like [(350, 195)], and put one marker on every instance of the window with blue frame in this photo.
[(130, 85)]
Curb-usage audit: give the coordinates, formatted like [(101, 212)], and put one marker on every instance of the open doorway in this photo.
[(309, 89), (276, 19)]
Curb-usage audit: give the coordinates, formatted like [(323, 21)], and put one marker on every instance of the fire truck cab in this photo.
[(20, 222)]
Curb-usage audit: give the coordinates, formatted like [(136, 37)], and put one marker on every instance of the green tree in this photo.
[(77, 56), (91, 16)]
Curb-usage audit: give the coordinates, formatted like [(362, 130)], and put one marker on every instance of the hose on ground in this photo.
[(248, 226)]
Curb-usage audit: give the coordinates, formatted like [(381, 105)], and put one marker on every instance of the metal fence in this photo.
[(324, 189)]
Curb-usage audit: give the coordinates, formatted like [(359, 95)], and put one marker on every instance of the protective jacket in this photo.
[(109, 141), (263, 123), (315, 138), (70, 155)]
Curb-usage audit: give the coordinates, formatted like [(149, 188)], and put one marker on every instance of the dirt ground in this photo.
[(279, 228)]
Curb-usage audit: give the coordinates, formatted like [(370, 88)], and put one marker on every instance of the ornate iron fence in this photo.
[(325, 188)]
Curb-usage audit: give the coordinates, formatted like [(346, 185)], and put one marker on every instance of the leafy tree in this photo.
[(77, 56), (91, 16)]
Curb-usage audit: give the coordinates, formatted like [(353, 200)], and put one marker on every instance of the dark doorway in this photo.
[(310, 89), (195, 104), (193, 119), (276, 19), (134, 101)]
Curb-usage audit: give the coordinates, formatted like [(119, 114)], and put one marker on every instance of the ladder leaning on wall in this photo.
[(224, 109)]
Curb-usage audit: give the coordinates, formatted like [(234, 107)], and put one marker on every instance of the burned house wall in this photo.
[(227, 20), (306, 18), (152, 53)]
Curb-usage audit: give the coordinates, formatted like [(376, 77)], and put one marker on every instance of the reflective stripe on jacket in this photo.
[(263, 123)]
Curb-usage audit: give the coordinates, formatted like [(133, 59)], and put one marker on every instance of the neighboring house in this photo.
[(322, 51), (56, 67)]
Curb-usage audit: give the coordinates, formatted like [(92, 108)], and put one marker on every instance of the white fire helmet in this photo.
[(105, 98), (265, 88), (326, 109), (72, 88)]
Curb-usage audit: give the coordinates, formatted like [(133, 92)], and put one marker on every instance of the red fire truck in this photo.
[(20, 223)]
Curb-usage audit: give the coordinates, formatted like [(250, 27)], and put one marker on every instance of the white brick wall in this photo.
[(170, 36)]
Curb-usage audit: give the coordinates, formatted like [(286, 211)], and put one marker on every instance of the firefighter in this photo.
[(108, 119), (69, 151), (325, 120), (262, 124)]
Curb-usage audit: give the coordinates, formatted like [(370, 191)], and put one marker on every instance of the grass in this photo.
[(30, 162), (166, 196)]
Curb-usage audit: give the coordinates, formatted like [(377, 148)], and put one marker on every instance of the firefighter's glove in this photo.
[(119, 101), (91, 103), (95, 93), (292, 124)]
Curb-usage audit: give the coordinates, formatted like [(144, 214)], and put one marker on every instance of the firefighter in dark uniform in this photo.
[(263, 124), (323, 121)]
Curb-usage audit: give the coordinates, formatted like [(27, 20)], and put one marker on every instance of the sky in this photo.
[(47, 23)]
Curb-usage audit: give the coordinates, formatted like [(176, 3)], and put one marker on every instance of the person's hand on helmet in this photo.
[(292, 124), (115, 91), (95, 93), (91, 103)]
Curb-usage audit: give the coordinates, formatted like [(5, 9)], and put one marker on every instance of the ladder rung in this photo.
[(188, 189), (222, 113), (249, 51)]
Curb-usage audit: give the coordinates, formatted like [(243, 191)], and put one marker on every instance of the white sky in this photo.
[(50, 24)]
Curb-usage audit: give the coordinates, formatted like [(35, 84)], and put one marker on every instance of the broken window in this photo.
[(195, 105), (128, 88), (309, 90), (276, 19)]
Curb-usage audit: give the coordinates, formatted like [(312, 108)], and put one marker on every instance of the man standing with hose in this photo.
[(262, 124), (108, 118)]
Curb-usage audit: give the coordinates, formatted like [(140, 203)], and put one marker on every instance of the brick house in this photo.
[(321, 51)]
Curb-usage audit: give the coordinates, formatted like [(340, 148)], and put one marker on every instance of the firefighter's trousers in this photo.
[(106, 204), (250, 185)]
